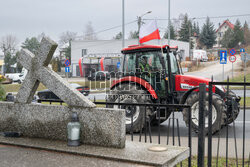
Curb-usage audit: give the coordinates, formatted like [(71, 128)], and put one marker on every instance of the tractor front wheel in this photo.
[(218, 115), (135, 115)]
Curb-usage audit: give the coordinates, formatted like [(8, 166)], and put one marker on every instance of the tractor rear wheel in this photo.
[(218, 114), (135, 115)]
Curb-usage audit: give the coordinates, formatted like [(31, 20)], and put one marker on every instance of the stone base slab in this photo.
[(99, 126), (134, 152)]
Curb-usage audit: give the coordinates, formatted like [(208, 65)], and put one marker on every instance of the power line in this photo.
[(104, 30), (204, 17)]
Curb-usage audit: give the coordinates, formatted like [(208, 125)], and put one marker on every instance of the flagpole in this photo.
[(168, 22)]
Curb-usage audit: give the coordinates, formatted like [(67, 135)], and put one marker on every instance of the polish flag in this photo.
[(149, 32)]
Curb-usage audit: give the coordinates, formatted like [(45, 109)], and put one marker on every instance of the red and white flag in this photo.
[(149, 32)]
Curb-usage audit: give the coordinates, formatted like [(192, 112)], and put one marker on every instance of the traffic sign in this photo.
[(67, 69), (232, 52), (118, 64), (245, 57), (223, 57), (232, 58), (67, 63), (242, 50)]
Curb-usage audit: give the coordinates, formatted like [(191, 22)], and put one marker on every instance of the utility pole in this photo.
[(190, 26), (139, 27), (189, 41), (168, 22), (123, 24)]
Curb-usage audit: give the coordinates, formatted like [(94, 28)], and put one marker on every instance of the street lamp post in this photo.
[(139, 18), (190, 37), (123, 24)]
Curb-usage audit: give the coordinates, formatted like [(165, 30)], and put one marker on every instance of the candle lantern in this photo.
[(73, 128)]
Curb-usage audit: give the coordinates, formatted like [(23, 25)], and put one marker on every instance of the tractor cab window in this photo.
[(173, 61), (149, 62), (129, 63)]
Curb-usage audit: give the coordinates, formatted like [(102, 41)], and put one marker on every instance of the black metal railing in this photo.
[(146, 130), (146, 125), (229, 113)]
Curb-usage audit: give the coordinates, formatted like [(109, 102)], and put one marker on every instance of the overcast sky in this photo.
[(27, 18)]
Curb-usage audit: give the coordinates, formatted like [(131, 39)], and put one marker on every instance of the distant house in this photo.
[(221, 31)]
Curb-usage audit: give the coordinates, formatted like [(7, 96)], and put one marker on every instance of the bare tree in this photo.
[(67, 36), (89, 32), (8, 43)]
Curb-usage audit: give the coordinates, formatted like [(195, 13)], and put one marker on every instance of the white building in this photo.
[(221, 31), (80, 48)]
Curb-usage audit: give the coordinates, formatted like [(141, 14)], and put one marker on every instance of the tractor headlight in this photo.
[(220, 87)]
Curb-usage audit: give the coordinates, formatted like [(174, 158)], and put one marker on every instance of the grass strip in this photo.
[(221, 162), (64, 104), (91, 84)]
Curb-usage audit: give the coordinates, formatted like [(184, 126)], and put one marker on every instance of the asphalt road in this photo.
[(216, 70), (101, 96), (241, 93)]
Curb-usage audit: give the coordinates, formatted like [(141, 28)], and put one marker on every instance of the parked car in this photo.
[(49, 95), (99, 76), (17, 77)]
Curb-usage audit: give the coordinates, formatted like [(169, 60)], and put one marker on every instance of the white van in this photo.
[(22, 75), (200, 55)]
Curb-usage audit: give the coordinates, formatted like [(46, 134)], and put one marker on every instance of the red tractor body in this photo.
[(154, 70)]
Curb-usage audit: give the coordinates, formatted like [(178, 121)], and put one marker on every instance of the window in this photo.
[(129, 63), (173, 61), (84, 52)]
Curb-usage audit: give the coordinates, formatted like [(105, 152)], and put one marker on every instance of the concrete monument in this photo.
[(104, 127)]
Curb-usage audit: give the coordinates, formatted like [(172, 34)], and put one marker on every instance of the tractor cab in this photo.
[(156, 65)]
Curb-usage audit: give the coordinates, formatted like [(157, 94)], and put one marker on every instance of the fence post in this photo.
[(201, 136), (209, 154)]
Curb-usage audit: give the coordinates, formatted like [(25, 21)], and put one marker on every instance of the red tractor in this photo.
[(151, 74)]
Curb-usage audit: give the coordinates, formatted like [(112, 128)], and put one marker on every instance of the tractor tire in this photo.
[(218, 110), (131, 93), (154, 121), (233, 114)]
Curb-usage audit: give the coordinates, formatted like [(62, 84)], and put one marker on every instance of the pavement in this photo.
[(57, 153)]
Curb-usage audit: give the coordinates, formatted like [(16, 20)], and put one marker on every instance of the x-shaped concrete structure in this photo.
[(38, 71)]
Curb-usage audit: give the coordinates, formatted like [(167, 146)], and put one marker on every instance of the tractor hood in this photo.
[(185, 82)]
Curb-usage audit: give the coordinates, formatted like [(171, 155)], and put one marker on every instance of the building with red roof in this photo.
[(221, 31)]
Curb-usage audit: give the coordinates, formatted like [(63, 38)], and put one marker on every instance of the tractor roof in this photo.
[(145, 48)]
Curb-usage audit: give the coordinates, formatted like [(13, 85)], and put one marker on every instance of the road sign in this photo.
[(232, 52), (245, 57), (67, 69), (242, 50), (223, 57), (67, 63), (232, 58), (118, 64)]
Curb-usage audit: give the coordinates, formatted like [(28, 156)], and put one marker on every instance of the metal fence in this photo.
[(173, 130), (202, 91)]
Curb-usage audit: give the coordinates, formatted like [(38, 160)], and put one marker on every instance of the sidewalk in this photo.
[(134, 154)]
